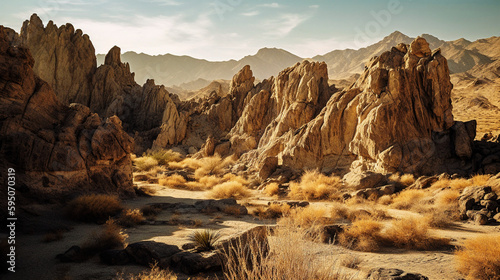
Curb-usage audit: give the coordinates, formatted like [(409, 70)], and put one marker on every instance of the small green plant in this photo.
[(205, 240)]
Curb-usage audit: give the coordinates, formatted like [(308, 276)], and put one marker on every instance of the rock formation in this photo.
[(55, 149), (64, 58), (396, 117)]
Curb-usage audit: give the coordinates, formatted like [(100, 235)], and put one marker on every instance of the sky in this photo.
[(231, 29)]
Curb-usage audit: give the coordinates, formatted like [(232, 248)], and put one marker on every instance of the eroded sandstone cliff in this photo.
[(55, 149)]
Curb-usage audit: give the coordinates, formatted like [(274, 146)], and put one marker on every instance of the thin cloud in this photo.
[(251, 14), (167, 2), (284, 24), (270, 5)]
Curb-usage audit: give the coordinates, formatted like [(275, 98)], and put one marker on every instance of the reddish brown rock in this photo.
[(56, 149)]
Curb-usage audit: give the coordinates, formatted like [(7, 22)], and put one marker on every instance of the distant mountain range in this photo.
[(191, 73)]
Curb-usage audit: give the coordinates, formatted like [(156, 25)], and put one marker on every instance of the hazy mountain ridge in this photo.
[(171, 70)]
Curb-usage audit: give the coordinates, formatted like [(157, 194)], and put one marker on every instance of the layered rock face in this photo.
[(396, 117), (55, 149), (64, 58)]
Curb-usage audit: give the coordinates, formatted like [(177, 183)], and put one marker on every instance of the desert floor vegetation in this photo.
[(291, 255), (94, 207), (314, 185), (155, 273), (231, 189), (478, 258), (110, 236)]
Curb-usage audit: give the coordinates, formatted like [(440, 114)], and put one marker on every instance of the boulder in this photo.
[(149, 252), (364, 180), (192, 262), (73, 254), (393, 274)]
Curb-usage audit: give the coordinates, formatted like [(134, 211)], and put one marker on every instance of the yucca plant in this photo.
[(205, 240)]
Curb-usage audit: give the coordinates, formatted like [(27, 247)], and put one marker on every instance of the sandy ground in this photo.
[(36, 259)]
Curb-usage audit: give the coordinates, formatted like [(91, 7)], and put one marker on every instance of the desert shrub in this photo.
[(439, 218), (274, 211), (447, 198), (384, 200), (189, 163), (213, 165), (234, 178), (350, 261), (408, 199), (305, 217), (111, 236), (163, 157), (314, 185), (203, 183), (362, 235), (480, 179), (479, 257), (197, 223), (150, 211), (271, 189), (412, 233), (291, 255), (94, 207), (234, 210), (340, 212), (229, 189), (173, 181), (405, 180), (205, 240), (155, 273), (130, 218), (145, 163)]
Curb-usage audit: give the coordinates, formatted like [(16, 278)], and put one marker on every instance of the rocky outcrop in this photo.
[(64, 58), (56, 149), (396, 117)]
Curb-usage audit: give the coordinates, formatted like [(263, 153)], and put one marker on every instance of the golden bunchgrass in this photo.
[(313, 186), (479, 257), (229, 189)]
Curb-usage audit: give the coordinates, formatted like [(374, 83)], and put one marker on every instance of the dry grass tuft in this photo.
[(110, 237), (163, 157), (408, 199), (479, 257), (350, 261), (130, 218), (406, 179), (274, 211), (233, 210), (272, 189), (173, 181), (150, 211), (363, 235), (145, 163), (480, 180), (305, 217), (413, 233), (213, 165), (154, 274), (229, 189), (291, 256), (314, 185), (94, 207)]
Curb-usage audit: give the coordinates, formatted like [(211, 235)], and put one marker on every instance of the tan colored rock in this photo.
[(64, 58), (420, 47), (82, 153)]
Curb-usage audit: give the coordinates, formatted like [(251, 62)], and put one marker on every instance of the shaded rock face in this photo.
[(64, 58), (57, 149)]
